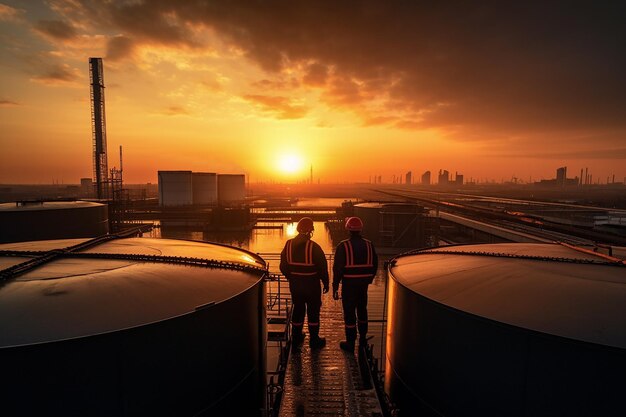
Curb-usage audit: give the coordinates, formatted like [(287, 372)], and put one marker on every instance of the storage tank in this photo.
[(506, 330), (131, 327), (231, 188), (370, 214), (204, 186), (175, 188), (36, 220)]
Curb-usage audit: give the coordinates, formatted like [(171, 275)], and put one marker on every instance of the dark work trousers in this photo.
[(306, 296), (354, 299)]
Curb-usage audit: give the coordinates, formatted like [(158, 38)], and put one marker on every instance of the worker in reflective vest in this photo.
[(355, 266), (303, 262)]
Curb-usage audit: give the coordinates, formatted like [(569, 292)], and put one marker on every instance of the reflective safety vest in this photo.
[(358, 270), (306, 268)]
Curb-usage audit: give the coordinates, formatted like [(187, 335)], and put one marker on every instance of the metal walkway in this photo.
[(327, 381)]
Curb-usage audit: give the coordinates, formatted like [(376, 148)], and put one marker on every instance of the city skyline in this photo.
[(352, 89)]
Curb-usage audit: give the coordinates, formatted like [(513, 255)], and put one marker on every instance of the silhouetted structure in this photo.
[(458, 179), (426, 178), (408, 178), (444, 177), (98, 128), (561, 176)]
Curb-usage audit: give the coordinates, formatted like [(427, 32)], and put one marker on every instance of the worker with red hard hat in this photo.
[(354, 267), (303, 262)]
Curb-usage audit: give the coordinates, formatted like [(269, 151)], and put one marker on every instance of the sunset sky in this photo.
[(353, 88)]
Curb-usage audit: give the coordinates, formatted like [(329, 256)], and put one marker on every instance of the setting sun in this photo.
[(290, 163)]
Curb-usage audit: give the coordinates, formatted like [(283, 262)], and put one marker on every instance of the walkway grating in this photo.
[(327, 381)]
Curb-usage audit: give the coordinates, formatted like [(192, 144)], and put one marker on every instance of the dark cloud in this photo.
[(281, 107), (57, 29), (467, 67), (8, 103), (610, 153), (119, 48), (174, 111), (10, 14), (316, 75), (56, 74)]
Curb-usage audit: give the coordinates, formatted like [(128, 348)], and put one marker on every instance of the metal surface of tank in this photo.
[(370, 214), (402, 225), (132, 327), (506, 329), (25, 221), (231, 188), (175, 188), (204, 188)]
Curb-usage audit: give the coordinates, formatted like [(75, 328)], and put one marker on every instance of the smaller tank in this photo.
[(42, 220)]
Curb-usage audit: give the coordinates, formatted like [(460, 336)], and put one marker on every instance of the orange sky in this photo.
[(355, 89)]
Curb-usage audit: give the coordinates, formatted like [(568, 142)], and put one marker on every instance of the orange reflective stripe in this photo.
[(304, 273), (350, 255), (350, 326), (357, 275), (308, 254)]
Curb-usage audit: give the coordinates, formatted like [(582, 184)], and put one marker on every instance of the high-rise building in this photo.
[(426, 178), (444, 177), (561, 175), (407, 178)]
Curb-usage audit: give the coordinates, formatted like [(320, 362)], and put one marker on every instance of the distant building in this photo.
[(231, 188), (407, 178), (86, 186), (458, 179), (444, 177), (204, 186), (175, 188), (561, 176), (426, 178)]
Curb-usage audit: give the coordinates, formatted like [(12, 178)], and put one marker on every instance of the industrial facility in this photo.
[(506, 330), (130, 327), (186, 188)]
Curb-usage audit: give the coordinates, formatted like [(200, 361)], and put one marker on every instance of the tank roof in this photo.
[(369, 205), (47, 205), (100, 291), (548, 288)]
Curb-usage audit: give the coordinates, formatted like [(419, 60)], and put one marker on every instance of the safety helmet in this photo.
[(305, 225), (354, 224)]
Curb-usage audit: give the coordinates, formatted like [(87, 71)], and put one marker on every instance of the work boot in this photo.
[(317, 342), (347, 345)]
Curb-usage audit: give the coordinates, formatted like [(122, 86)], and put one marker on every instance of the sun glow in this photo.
[(290, 163)]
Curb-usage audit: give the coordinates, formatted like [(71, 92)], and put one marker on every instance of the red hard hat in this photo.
[(305, 225), (354, 224)]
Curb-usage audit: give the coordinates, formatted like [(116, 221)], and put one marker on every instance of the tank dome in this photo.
[(506, 329), (131, 327)]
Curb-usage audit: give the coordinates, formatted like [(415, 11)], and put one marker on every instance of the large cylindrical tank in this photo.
[(175, 188), (370, 214), (204, 188), (506, 330), (24, 221), (133, 327), (231, 188)]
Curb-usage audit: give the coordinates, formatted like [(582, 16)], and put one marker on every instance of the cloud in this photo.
[(8, 103), (471, 68), (10, 14), (281, 107), (316, 75), (56, 29), (119, 48), (56, 74), (174, 111)]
